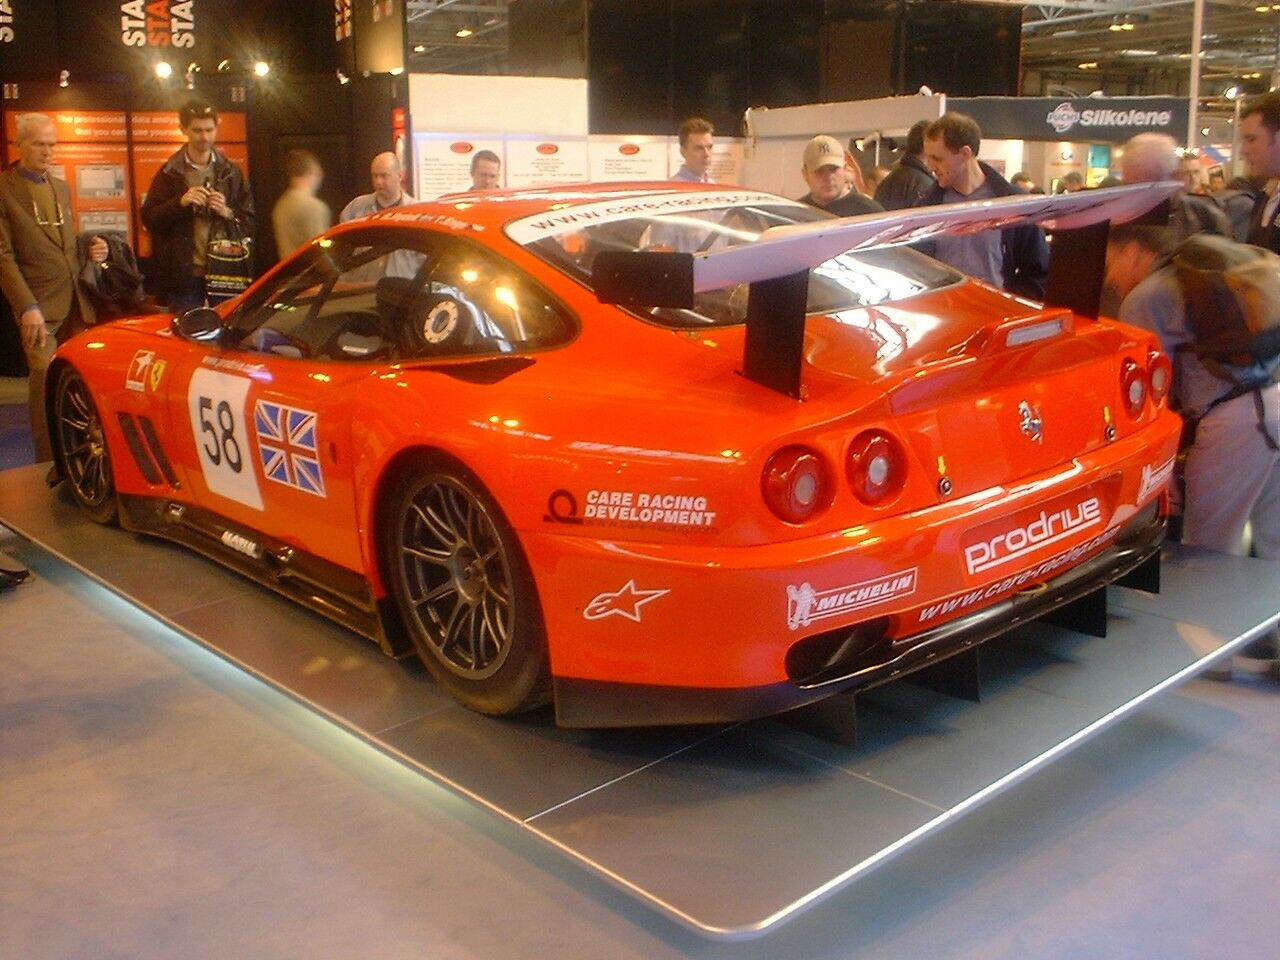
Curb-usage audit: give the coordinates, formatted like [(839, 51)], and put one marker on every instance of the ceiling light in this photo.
[(396, 71), (419, 48), (343, 78), (64, 78), (164, 70), (261, 68), (1091, 65), (1204, 131), (1232, 91), (464, 33)]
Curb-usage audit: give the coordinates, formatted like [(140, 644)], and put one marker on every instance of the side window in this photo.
[(474, 303), (343, 305)]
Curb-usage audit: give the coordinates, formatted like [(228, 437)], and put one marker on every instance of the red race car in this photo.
[(765, 471)]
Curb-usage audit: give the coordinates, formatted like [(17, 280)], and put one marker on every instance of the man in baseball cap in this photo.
[(823, 170)]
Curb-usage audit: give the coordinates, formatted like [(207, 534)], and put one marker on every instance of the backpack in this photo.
[(1232, 295)]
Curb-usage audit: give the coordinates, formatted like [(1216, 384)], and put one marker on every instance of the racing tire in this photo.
[(80, 447), (464, 591)]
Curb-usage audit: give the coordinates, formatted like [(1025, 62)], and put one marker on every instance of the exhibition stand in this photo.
[(728, 830)]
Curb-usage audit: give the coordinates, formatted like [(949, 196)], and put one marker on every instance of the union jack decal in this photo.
[(287, 446)]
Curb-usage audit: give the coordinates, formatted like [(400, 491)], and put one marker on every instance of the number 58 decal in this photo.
[(215, 403)]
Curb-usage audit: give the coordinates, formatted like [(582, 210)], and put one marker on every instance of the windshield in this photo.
[(571, 238)]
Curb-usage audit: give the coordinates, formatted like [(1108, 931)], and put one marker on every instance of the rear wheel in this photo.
[(464, 590), (81, 448)]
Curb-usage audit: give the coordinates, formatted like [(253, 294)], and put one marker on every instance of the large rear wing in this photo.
[(777, 264)]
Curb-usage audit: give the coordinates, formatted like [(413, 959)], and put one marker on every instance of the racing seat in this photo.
[(437, 320)]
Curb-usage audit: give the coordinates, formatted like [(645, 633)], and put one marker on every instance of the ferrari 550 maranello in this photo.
[(653, 454)]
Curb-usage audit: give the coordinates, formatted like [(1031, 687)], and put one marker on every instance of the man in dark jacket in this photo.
[(1260, 147), (909, 179), (196, 187), (823, 169), (1015, 258)]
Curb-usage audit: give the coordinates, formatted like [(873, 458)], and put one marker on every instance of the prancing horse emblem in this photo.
[(1029, 421)]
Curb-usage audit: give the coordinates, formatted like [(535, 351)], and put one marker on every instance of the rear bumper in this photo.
[(601, 703)]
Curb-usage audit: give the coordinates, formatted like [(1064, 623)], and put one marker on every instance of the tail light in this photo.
[(796, 484), (877, 467), (1159, 375), (1133, 387)]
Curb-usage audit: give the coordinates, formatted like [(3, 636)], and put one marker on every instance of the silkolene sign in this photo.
[(1113, 119)]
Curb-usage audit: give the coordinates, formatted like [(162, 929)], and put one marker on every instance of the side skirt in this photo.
[(328, 589)]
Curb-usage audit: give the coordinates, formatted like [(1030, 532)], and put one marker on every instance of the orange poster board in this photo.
[(76, 126), (107, 184), (161, 126)]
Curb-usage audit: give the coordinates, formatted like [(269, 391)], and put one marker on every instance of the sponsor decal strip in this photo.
[(1155, 479), (805, 605), (1046, 529), (630, 508), (531, 229), (1029, 576)]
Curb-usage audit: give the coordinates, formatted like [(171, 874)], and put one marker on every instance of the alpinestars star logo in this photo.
[(624, 603)]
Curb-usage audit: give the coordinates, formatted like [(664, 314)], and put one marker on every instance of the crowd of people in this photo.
[(1231, 481)]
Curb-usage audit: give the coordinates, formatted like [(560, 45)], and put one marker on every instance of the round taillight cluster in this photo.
[(796, 483), (1133, 387), (876, 467), (1159, 375)]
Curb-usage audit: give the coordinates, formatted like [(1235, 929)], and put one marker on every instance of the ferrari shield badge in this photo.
[(1029, 421)]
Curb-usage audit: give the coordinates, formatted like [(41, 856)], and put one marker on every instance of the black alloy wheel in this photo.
[(81, 448), (464, 591)]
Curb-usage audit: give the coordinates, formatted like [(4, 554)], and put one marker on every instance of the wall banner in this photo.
[(1098, 119)]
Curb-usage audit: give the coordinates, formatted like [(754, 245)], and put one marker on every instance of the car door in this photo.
[(267, 409)]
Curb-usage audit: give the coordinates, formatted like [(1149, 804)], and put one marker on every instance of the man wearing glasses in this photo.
[(39, 267), (196, 187)]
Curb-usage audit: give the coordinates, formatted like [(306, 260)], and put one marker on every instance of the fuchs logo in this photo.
[(1155, 478), (805, 605), (461, 146), (1047, 528), (628, 149), (547, 149), (1063, 117)]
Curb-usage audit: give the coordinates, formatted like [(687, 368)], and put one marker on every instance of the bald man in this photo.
[(385, 171), (1152, 157)]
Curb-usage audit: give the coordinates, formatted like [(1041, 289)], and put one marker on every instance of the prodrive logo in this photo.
[(1049, 527)]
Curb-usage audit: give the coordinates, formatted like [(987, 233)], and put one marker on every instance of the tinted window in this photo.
[(336, 302), (387, 296)]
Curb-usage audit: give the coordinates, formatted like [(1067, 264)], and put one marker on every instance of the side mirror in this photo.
[(202, 324)]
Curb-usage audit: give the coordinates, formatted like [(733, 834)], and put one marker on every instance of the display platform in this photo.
[(730, 831)]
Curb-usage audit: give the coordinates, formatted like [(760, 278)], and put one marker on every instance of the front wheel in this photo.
[(81, 448), (464, 591)]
